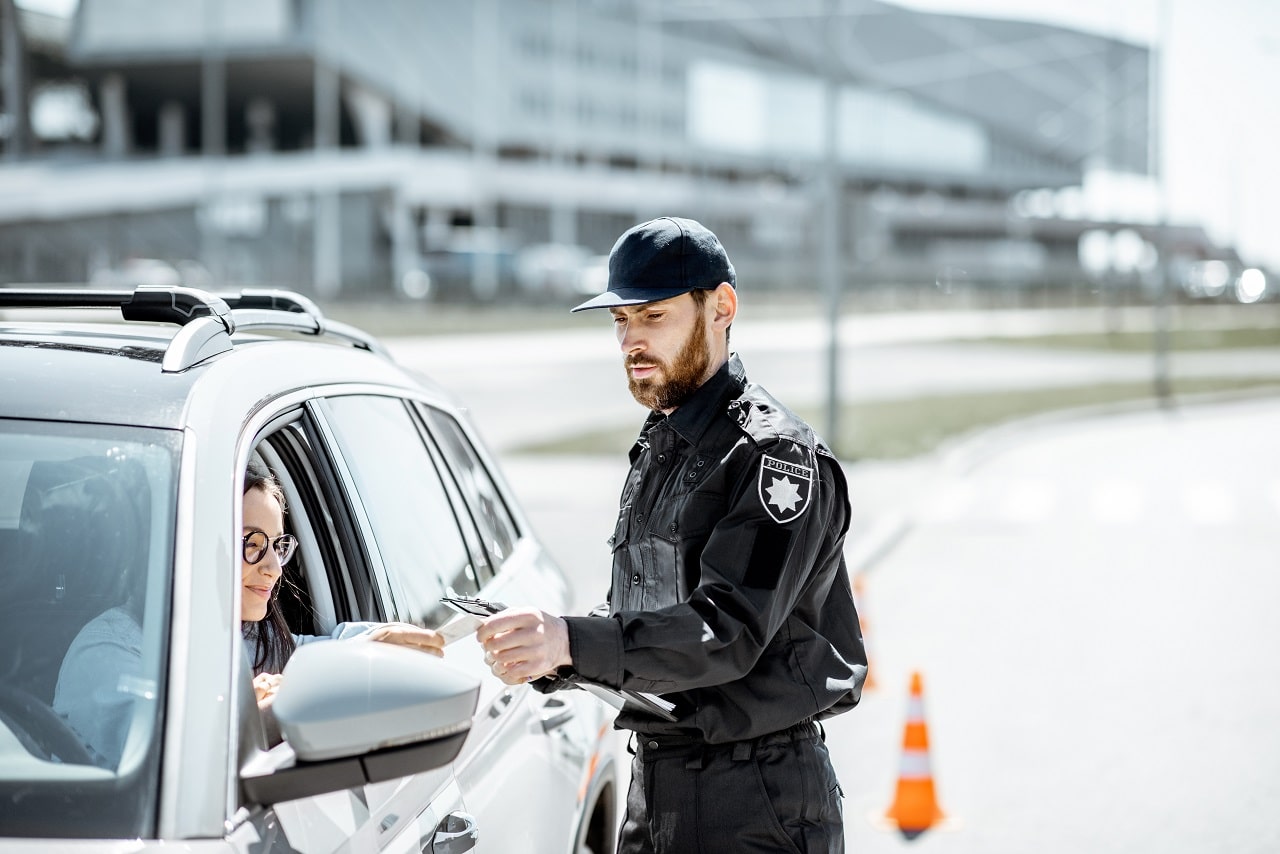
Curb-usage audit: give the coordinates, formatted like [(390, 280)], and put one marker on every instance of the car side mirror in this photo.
[(355, 712)]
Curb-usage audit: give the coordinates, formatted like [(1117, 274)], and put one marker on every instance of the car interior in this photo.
[(80, 547)]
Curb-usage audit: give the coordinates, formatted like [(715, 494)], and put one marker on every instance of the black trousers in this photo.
[(775, 793)]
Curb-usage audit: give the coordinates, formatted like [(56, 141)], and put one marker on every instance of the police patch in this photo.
[(785, 488)]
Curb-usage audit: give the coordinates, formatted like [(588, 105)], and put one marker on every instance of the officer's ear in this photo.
[(724, 300)]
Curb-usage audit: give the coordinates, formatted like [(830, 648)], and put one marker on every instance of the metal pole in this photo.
[(486, 27), (326, 243), (563, 225), (1161, 305), (13, 72), (833, 186)]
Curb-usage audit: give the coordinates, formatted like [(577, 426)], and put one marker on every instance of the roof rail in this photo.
[(265, 308), (207, 319), (146, 302)]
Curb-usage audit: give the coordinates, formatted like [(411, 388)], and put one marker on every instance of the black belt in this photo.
[(655, 746)]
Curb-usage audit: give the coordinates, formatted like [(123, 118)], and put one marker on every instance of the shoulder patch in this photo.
[(785, 488)]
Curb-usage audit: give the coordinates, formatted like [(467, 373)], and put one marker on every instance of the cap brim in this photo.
[(630, 296)]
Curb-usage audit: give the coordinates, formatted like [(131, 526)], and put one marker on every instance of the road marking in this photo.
[(1117, 502), (1208, 503)]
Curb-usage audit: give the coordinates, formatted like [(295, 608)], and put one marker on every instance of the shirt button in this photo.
[(672, 527), (639, 518), (635, 579), (653, 745), (662, 458)]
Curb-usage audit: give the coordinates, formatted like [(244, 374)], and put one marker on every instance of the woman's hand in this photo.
[(405, 634), (265, 686)]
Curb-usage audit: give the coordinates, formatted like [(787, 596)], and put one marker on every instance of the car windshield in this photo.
[(86, 545)]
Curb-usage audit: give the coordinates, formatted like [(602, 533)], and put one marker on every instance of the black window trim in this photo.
[(481, 560), (358, 534), (330, 527), (425, 419)]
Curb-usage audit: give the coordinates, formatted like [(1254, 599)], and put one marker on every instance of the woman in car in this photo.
[(100, 674), (265, 551)]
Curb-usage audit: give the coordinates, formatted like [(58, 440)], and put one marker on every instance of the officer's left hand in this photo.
[(522, 644)]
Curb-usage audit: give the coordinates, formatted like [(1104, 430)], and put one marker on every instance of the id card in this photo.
[(471, 613)]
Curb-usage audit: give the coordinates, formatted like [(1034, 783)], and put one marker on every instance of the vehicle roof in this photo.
[(111, 372)]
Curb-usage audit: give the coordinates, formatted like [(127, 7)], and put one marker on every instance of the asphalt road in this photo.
[(1090, 607)]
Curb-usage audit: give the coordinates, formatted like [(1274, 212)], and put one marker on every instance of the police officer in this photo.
[(730, 596)]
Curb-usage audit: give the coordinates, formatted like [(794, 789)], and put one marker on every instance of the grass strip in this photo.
[(895, 429), (1179, 339)]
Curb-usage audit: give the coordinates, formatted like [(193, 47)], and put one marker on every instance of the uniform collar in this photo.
[(693, 417)]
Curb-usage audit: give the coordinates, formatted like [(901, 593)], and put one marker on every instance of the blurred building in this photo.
[(343, 148)]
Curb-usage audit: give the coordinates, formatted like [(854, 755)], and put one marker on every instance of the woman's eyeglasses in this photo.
[(255, 546)]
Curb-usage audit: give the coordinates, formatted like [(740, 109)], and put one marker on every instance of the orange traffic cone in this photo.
[(859, 599), (915, 805)]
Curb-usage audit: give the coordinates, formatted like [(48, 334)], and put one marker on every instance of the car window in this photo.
[(408, 506), (488, 510), (86, 556), (327, 578)]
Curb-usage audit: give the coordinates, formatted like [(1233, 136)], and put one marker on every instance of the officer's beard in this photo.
[(678, 380)]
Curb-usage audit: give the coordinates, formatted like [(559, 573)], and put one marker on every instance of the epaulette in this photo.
[(765, 420)]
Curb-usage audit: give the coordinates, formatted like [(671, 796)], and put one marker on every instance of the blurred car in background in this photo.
[(153, 271), (471, 264), (1215, 280), (475, 275), (551, 271), (593, 278)]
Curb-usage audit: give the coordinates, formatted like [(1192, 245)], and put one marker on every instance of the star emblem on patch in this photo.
[(783, 494), (785, 488)]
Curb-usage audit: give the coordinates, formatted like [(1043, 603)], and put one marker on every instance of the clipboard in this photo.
[(472, 612), (632, 700)]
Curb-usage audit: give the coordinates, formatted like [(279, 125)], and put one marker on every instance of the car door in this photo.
[(424, 544), (329, 581), (575, 722)]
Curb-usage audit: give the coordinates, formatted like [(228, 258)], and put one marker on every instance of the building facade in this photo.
[(343, 149)]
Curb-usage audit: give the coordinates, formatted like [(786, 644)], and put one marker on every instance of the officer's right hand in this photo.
[(523, 644)]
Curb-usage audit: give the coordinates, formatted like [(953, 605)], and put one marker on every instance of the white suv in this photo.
[(123, 447)]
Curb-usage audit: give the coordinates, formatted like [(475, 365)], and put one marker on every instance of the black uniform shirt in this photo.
[(730, 595)]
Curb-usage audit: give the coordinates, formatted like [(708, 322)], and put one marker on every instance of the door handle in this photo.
[(456, 834), (555, 714)]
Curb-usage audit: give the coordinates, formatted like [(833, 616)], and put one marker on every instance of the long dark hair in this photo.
[(272, 640)]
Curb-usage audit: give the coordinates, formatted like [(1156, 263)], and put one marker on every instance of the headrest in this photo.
[(85, 524)]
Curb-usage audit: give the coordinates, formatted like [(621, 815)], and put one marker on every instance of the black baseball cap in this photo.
[(660, 259)]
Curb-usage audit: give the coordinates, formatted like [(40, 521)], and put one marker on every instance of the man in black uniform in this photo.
[(730, 596)]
